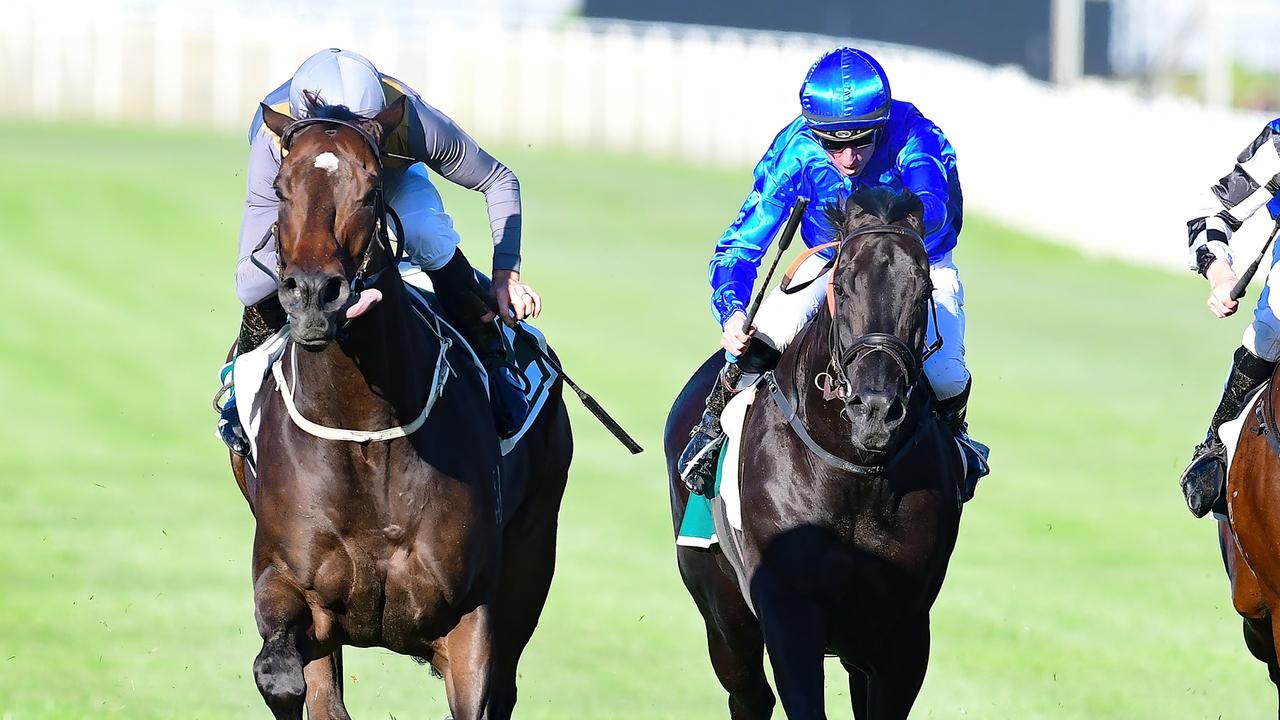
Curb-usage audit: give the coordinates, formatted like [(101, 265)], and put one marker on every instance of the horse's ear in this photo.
[(915, 221), (388, 120), (276, 121)]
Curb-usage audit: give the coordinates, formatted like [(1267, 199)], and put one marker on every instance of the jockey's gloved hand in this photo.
[(509, 292), (1222, 280)]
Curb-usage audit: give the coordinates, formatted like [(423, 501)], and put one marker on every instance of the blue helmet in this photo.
[(845, 95)]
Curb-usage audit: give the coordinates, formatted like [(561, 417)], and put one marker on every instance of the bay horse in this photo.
[(850, 506), (1248, 536), (431, 543)]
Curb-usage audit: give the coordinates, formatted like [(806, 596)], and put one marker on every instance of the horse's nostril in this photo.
[(290, 284), (896, 411), (331, 292)]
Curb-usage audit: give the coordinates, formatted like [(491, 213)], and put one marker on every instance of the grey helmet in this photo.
[(339, 77)]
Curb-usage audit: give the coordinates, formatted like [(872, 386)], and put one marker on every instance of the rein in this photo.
[(910, 361), (443, 370)]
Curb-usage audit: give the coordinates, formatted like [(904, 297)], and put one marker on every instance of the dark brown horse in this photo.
[(432, 544), (850, 505), (1249, 536)]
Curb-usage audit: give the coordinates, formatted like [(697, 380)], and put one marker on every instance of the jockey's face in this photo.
[(850, 157)]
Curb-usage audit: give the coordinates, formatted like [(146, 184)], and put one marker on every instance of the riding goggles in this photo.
[(837, 140)]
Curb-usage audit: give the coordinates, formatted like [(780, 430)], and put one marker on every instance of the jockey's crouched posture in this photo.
[(850, 133), (426, 138), (1252, 184)]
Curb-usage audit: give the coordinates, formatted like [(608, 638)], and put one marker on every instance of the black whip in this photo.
[(1242, 284), (588, 401), (784, 241)]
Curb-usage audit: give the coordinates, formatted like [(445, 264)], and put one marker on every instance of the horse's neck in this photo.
[(379, 365)]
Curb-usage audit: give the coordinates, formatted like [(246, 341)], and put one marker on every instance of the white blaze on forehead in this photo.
[(327, 161)]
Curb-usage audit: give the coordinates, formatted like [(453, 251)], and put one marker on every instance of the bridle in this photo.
[(381, 235), (909, 360)]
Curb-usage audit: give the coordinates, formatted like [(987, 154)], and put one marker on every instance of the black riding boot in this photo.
[(952, 412), (697, 463), (258, 323), (1205, 478), (464, 301)]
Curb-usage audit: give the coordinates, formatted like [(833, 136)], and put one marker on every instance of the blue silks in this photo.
[(911, 153)]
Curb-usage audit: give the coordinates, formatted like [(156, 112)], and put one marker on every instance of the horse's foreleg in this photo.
[(469, 649), (283, 618), (734, 641), (737, 655), (1260, 632), (795, 632), (528, 562), (897, 674), (324, 688)]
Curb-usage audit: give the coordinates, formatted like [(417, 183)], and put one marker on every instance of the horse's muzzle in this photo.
[(314, 302), (875, 418)]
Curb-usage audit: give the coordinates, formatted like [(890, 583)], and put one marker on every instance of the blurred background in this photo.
[(1087, 132)]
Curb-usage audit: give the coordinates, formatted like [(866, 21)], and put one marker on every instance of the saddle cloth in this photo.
[(697, 529), (1229, 432), (249, 370)]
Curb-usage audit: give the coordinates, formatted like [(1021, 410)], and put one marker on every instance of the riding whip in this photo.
[(784, 241), (1242, 284), (588, 401)]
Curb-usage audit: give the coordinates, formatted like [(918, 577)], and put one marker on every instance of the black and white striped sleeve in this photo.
[(1250, 185)]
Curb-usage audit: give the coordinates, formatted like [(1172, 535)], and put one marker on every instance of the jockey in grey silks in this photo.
[(425, 140)]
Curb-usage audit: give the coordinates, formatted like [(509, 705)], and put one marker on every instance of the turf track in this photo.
[(1081, 588)]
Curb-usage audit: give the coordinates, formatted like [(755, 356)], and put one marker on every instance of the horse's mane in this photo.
[(875, 206), (314, 106)]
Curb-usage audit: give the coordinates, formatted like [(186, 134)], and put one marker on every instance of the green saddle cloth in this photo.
[(698, 529)]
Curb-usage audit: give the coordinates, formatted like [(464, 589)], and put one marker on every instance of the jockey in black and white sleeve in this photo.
[(1251, 185)]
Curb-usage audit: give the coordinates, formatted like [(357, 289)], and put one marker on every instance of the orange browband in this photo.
[(795, 265)]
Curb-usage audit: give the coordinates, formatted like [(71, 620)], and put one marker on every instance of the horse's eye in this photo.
[(279, 195), (370, 198)]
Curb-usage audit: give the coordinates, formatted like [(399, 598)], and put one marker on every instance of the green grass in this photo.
[(1080, 588)]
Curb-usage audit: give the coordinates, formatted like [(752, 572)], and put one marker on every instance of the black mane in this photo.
[(314, 106), (876, 206)]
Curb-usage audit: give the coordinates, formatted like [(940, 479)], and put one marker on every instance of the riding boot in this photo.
[(257, 323), (1205, 479), (698, 461), (952, 413), (464, 302)]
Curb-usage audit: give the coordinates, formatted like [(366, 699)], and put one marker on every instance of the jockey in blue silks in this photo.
[(850, 132)]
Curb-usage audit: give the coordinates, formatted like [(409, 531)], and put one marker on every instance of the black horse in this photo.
[(850, 506)]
